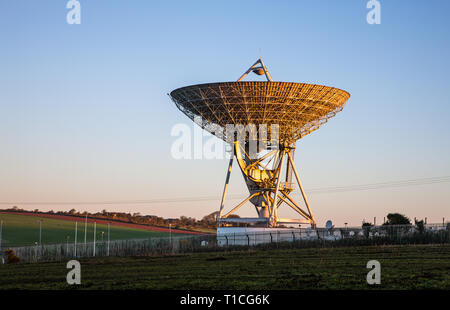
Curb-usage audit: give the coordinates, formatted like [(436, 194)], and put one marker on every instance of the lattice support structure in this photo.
[(269, 182)]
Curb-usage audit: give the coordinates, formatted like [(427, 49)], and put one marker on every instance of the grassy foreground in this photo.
[(22, 230), (402, 267)]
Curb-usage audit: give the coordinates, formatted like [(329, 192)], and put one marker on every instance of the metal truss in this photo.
[(269, 185), (257, 70), (298, 109)]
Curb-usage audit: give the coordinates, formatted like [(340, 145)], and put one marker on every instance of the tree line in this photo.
[(183, 222)]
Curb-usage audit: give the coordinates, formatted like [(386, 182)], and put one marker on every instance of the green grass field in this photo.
[(402, 267), (21, 230)]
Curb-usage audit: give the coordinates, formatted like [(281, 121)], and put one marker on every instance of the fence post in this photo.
[(67, 246), (40, 237), (75, 245), (85, 235), (107, 253), (95, 226), (1, 229)]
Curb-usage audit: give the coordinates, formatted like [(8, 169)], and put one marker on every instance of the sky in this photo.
[(85, 117)]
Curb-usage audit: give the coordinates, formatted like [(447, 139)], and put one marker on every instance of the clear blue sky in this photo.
[(85, 116)]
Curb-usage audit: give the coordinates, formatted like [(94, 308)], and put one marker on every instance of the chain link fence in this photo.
[(288, 238), (134, 247), (371, 235)]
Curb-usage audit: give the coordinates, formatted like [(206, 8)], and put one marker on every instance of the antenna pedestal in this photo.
[(269, 182)]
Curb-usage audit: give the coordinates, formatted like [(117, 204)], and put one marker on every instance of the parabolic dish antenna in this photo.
[(288, 110)]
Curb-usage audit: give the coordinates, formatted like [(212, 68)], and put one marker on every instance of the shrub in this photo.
[(11, 257), (420, 226), (366, 228), (397, 219)]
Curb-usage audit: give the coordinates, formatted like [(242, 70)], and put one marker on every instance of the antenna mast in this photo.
[(257, 70)]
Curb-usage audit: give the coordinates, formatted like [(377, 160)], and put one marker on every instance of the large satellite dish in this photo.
[(295, 109)]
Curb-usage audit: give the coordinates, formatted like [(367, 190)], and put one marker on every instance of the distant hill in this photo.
[(22, 228), (186, 224)]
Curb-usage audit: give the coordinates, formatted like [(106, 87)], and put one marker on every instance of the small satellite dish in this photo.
[(329, 224)]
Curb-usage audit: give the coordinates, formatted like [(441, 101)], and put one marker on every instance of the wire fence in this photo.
[(133, 247), (292, 238), (386, 234)]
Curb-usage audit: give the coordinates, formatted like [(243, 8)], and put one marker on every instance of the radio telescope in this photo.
[(287, 110)]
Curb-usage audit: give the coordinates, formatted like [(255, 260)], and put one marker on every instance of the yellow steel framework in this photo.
[(296, 109)]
